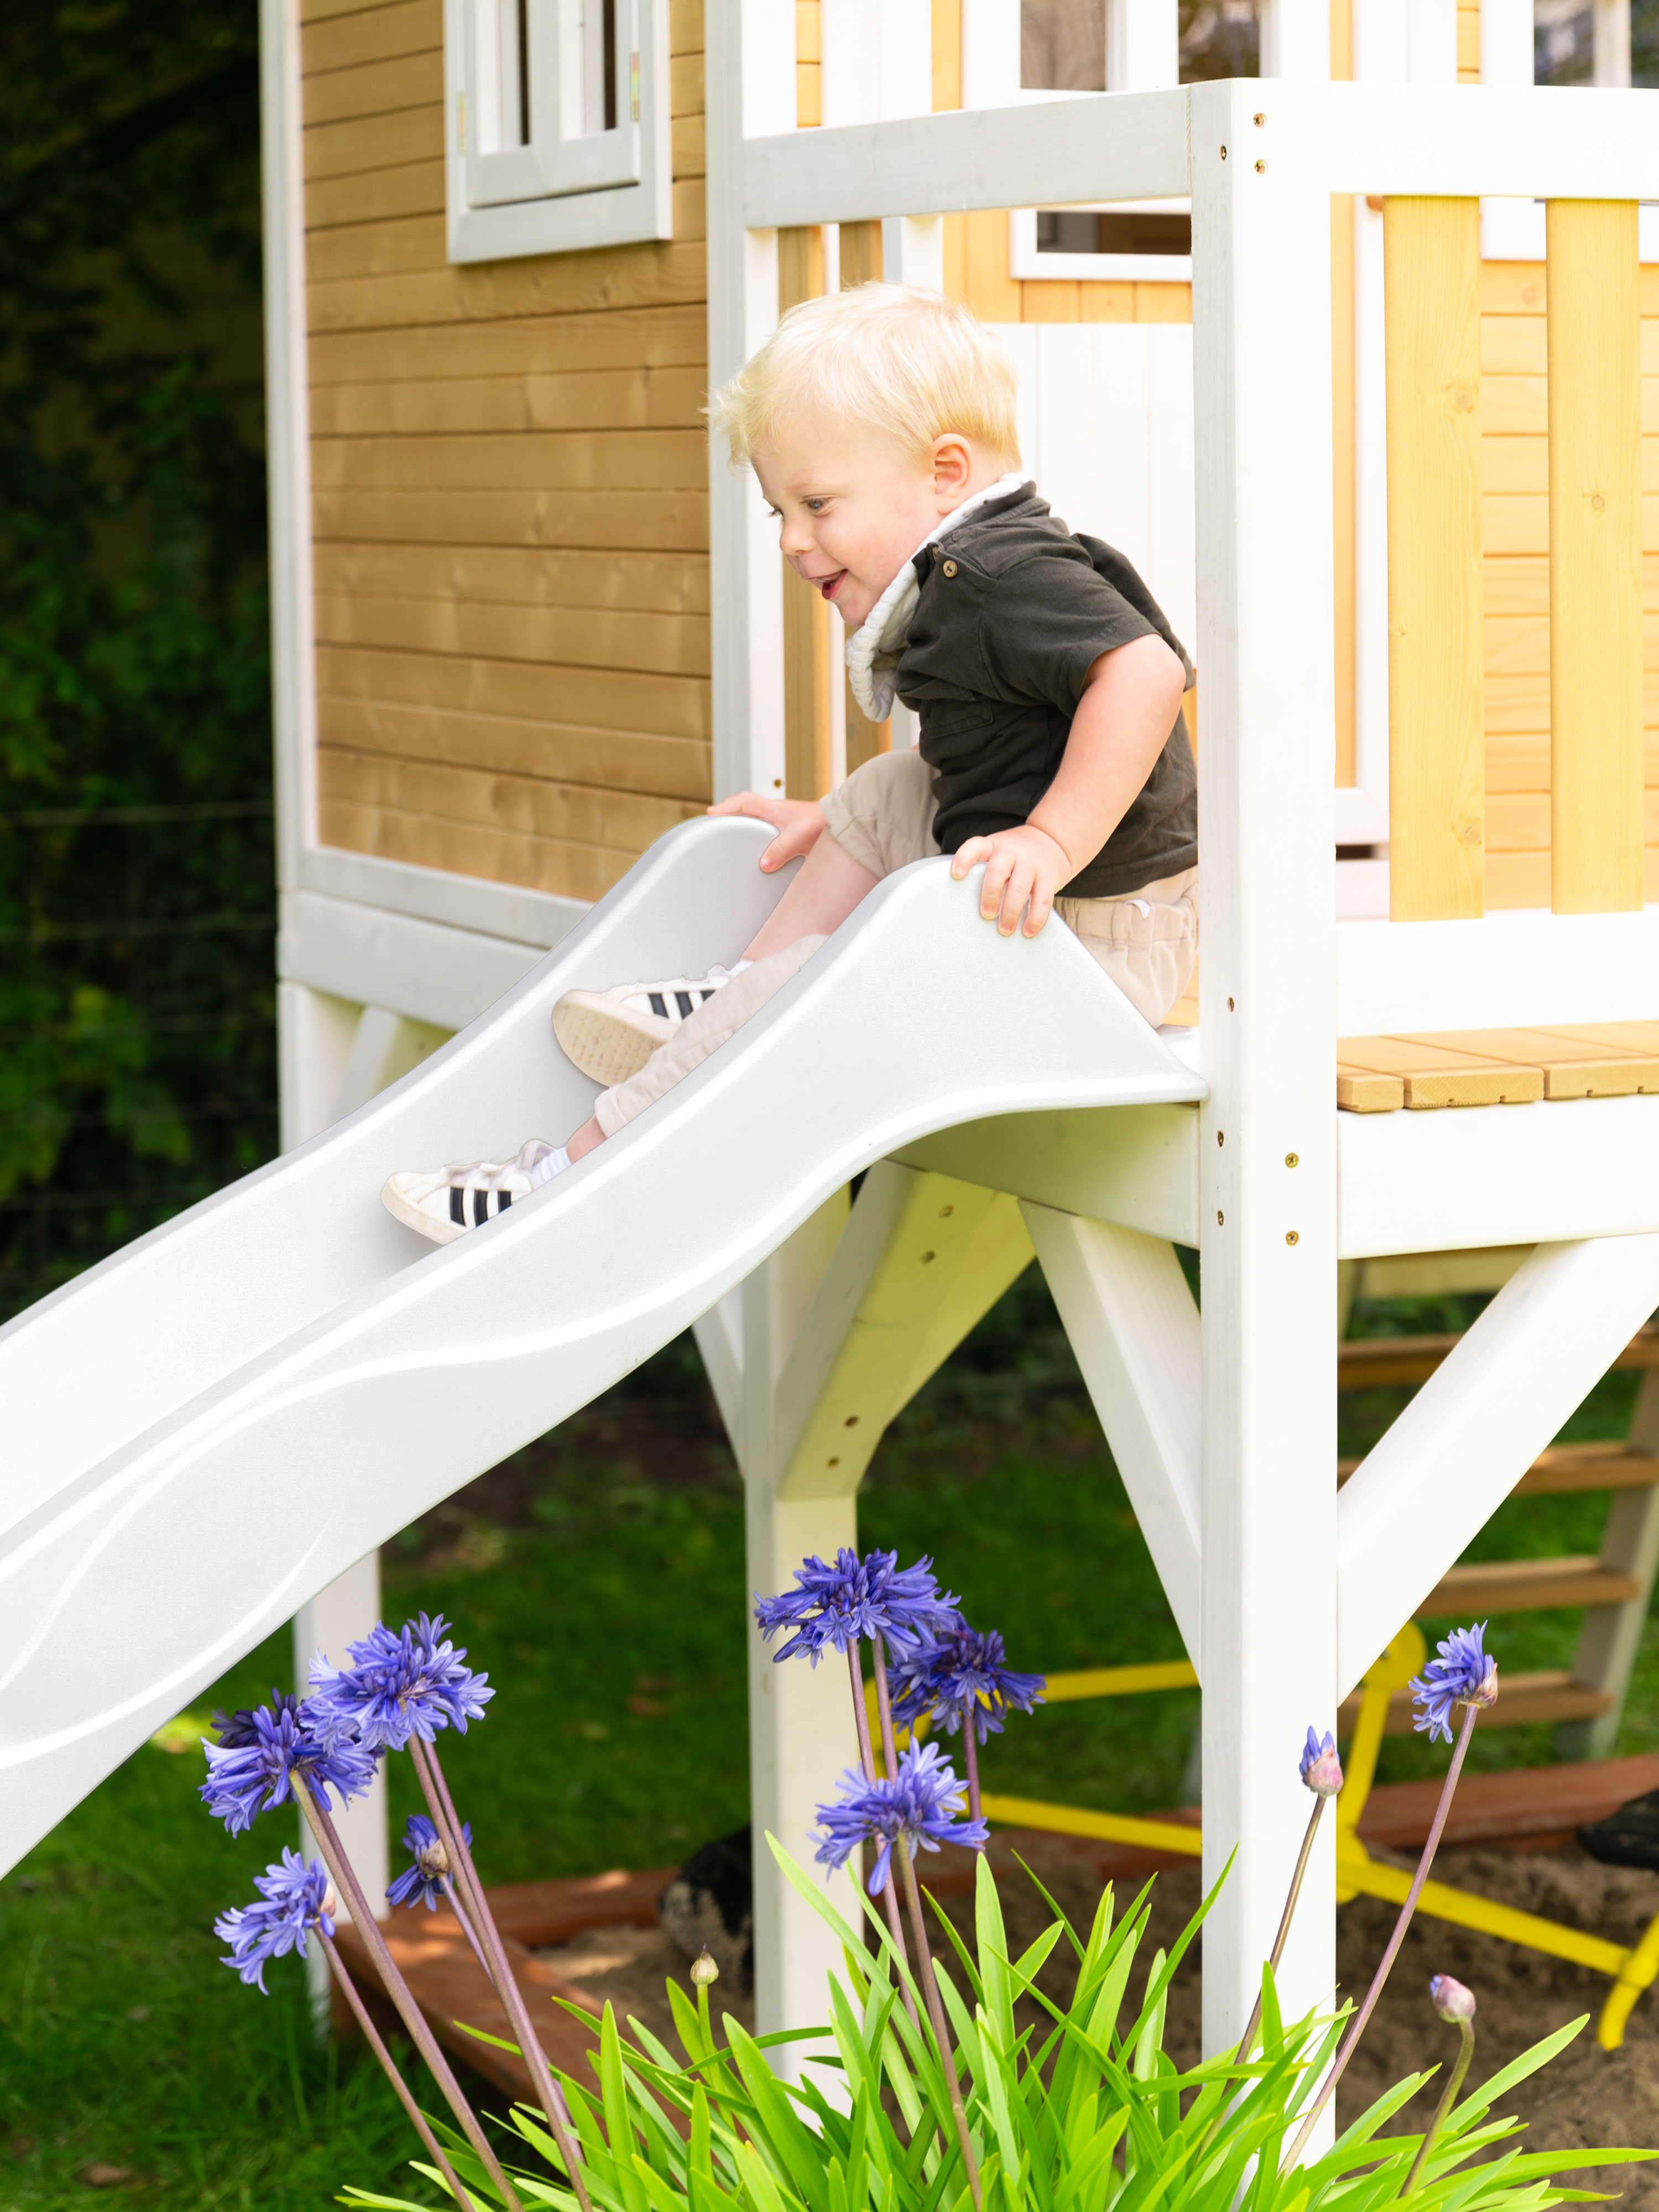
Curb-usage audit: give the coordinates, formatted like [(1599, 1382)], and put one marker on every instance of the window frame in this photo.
[(1026, 262), (559, 194)]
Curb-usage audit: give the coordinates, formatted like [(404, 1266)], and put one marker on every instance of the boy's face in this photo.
[(853, 508)]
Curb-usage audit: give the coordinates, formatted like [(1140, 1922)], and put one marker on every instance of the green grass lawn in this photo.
[(605, 1565)]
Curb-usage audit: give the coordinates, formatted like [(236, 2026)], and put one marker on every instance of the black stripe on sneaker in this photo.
[(506, 1199), (480, 1208), (682, 1000), (457, 1207), (658, 1006)]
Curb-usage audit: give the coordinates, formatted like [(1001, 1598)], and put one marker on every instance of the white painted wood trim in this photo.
[(1414, 1504), (1515, 969), (372, 958), (1133, 1325), (287, 436), (439, 895), (1454, 1178), (1026, 263)]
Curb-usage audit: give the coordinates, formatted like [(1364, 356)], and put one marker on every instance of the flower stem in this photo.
[(346, 1883), (466, 1924), (548, 2092), (1471, 1713), (970, 1761), (1448, 2099), (1254, 2020), (936, 2014), (376, 2043), (889, 1894)]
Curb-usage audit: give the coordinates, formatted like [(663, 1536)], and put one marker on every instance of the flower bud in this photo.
[(433, 1859), (704, 1969), (1487, 1694), (1450, 1999), (329, 1907), (1321, 1768)]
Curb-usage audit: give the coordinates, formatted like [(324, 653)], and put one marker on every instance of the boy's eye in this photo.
[(816, 506)]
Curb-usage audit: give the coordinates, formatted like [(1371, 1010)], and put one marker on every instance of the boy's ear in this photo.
[(953, 465)]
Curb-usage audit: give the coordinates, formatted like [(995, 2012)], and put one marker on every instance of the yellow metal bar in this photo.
[(1403, 1659), (1109, 1827), (1440, 1902), (1640, 1968), (1119, 1681)]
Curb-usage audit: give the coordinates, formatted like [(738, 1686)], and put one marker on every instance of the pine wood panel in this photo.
[(653, 273), (577, 814), (670, 521), (379, 196), (674, 706), (648, 583), (407, 26), (584, 637), (1517, 880), (373, 142), (591, 400), (1432, 251), (573, 752), (396, 247), (806, 764), (1435, 1073), (1468, 41), (947, 54), (1595, 558), (379, 87), (321, 11), (537, 460), (1342, 476), (578, 872), (617, 338), (684, 27), (689, 146), (1572, 1067)]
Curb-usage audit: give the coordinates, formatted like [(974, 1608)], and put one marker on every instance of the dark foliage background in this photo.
[(138, 1050)]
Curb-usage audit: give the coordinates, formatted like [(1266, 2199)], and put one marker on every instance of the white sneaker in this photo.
[(612, 1034), (445, 1205)]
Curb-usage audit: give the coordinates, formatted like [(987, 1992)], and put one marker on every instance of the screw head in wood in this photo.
[(1260, 121), (927, 1256), (1221, 1136), (851, 1422), (1230, 1005), (1290, 1158), (1290, 1237), (1261, 168), (945, 1211), (1219, 1217), (1224, 153)]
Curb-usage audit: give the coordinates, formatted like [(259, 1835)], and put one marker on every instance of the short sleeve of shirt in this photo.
[(1048, 618)]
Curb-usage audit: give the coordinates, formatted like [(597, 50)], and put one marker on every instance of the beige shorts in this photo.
[(1146, 940)]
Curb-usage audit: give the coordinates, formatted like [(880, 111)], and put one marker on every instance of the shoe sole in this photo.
[(405, 1210), (607, 1042)]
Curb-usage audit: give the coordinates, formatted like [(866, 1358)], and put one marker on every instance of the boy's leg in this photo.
[(1147, 942), (701, 1033), (878, 820)]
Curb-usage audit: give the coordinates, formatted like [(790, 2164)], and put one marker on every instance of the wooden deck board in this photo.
[(1363, 1363), (1494, 1068)]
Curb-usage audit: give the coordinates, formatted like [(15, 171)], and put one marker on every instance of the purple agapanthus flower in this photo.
[(255, 1772), (410, 1683), (1464, 1674), (917, 1810), (294, 1898), (423, 1882), (961, 1670), (1321, 1768), (237, 1731), (872, 1597)]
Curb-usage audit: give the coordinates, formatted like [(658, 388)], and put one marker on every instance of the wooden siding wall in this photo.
[(510, 493), (1515, 461)]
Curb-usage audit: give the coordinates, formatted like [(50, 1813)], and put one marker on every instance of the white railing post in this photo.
[(1262, 408), (1295, 40), (750, 76)]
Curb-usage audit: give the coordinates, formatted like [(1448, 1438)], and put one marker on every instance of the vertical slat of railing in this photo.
[(1436, 734), (1266, 1134), (1595, 558)]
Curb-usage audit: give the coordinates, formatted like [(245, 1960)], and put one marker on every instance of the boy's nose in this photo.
[(795, 539)]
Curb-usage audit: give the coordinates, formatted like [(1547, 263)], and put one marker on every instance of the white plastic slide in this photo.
[(207, 1428)]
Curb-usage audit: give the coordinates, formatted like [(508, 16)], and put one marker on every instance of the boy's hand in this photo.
[(1024, 868), (799, 822)]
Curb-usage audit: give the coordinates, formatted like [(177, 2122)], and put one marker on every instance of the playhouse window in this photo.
[(558, 134)]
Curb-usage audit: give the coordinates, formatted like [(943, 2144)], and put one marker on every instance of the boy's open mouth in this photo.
[(828, 585)]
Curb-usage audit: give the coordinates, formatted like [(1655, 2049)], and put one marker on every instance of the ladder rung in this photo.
[(1551, 1695), (1364, 1362), (1528, 1585), (1566, 1467)]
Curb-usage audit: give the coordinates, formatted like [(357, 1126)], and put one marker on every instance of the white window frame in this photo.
[(1025, 261), (568, 190)]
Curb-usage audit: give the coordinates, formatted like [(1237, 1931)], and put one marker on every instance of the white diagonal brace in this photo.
[(1475, 1428), (1133, 1326)]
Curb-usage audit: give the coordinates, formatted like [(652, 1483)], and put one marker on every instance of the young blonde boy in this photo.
[(880, 423)]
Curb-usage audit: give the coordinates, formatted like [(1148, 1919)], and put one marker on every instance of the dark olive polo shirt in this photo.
[(998, 651)]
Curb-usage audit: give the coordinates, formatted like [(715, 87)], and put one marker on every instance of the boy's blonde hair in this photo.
[(906, 364)]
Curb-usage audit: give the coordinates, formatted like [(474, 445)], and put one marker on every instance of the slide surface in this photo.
[(202, 1430)]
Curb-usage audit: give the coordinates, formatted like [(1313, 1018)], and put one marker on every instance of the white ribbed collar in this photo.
[(873, 649)]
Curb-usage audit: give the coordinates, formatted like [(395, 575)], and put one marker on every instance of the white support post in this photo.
[(801, 1731), (1295, 40), (1131, 1322), (1510, 229), (1612, 48), (751, 78), (1262, 405), (335, 1057), (1143, 45)]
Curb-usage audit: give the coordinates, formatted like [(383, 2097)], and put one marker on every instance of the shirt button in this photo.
[(950, 568)]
